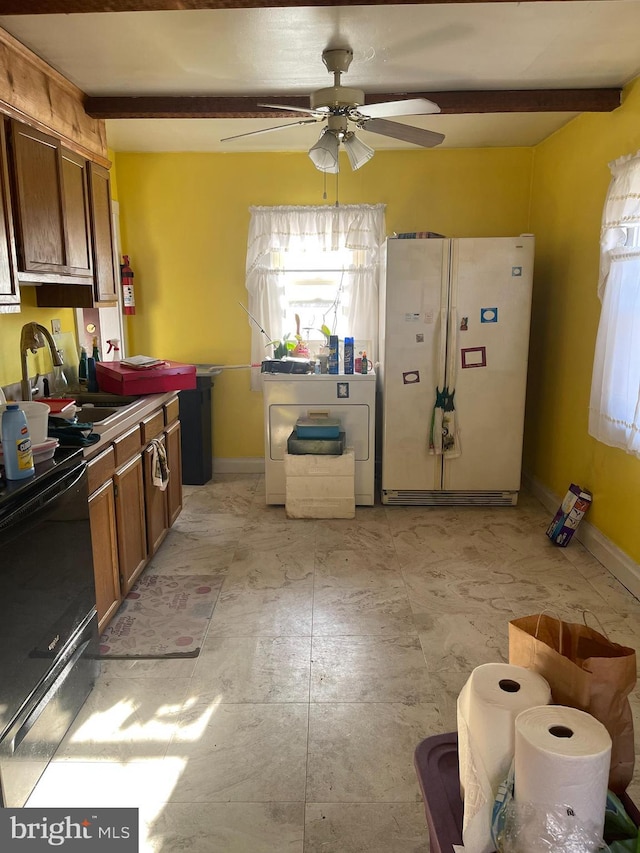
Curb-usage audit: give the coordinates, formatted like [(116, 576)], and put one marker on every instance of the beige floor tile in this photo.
[(106, 784), (242, 612), (362, 612), (369, 669), (225, 828), (254, 669), (365, 828), (364, 752), (240, 753), (125, 719), (461, 641)]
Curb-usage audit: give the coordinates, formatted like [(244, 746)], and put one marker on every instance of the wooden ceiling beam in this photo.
[(450, 103), (67, 7)]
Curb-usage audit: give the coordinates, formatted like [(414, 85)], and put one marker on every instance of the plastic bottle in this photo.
[(82, 366), (92, 380), (114, 348), (95, 355), (333, 354), (365, 363), (348, 355), (16, 444)]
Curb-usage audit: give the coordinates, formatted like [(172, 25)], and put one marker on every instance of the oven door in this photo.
[(47, 602)]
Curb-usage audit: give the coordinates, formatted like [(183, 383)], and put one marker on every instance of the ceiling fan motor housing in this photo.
[(337, 97)]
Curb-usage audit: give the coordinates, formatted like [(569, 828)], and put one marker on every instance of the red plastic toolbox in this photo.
[(436, 763), (116, 378)]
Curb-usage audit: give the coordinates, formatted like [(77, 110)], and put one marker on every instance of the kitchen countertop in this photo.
[(130, 416)]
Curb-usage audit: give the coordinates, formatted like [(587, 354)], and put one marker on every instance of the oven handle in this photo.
[(32, 719)]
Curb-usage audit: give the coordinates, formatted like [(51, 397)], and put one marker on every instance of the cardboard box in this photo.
[(569, 515), (116, 378), (320, 486)]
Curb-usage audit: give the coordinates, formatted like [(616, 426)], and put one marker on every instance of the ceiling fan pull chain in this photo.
[(324, 185)]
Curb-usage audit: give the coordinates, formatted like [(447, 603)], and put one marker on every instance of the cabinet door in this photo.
[(9, 291), (155, 504), (37, 166), (102, 515), (174, 460), (105, 280), (130, 517), (75, 195)]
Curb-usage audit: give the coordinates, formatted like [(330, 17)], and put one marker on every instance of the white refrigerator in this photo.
[(454, 340)]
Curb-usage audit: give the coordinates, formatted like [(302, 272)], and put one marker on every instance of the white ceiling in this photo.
[(272, 52)]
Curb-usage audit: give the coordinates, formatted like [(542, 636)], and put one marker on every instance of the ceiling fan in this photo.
[(341, 106)]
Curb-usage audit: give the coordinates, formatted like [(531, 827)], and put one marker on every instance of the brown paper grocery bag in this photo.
[(585, 670)]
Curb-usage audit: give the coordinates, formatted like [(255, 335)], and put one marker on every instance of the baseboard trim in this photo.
[(238, 465), (620, 564)]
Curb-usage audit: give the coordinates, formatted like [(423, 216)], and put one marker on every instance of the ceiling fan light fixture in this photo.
[(324, 154), (358, 151)]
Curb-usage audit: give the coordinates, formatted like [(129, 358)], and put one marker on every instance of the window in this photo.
[(320, 263), (614, 411)]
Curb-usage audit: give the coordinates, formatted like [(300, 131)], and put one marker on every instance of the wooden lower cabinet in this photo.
[(130, 516), (155, 501), (174, 460), (102, 515), (131, 521)]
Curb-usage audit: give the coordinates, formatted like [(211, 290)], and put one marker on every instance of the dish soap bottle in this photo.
[(16, 444), (95, 355), (365, 363), (82, 367)]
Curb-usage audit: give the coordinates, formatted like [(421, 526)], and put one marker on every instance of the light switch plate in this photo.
[(56, 327)]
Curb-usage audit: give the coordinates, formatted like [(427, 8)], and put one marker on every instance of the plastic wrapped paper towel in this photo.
[(562, 759), (488, 705)]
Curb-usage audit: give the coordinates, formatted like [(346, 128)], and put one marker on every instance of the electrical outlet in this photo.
[(56, 327)]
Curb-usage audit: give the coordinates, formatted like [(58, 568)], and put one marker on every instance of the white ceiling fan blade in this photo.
[(416, 135), (269, 129), (293, 109), (408, 107)]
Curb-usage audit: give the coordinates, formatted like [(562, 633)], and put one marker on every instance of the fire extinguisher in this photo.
[(126, 278)]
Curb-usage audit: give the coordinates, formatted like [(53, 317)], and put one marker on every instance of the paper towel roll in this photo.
[(562, 757), (494, 695)]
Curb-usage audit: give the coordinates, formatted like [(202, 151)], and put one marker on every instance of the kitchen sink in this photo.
[(95, 414), (102, 399)]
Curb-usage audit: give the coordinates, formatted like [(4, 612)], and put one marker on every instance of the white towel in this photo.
[(159, 466)]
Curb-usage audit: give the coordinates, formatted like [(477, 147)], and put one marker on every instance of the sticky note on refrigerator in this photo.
[(488, 315)]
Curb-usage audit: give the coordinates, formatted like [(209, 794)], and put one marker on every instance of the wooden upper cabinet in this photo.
[(9, 290), (37, 173), (75, 206), (105, 281)]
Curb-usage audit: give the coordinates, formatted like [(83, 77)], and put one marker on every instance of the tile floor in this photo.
[(334, 648)]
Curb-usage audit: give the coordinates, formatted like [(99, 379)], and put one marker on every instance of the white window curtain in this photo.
[(360, 228), (614, 411)]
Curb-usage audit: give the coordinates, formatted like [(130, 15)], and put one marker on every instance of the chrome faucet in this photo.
[(32, 337)]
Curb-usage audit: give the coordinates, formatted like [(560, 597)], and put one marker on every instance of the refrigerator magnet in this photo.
[(420, 338), (464, 324), (343, 390), (488, 315), (516, 271), (474, 357), (411, 377)]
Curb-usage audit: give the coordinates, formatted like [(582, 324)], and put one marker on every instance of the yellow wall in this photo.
[(184, 220), (571, 177)]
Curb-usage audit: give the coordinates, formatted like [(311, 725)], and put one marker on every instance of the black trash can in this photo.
[(195, 421)]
